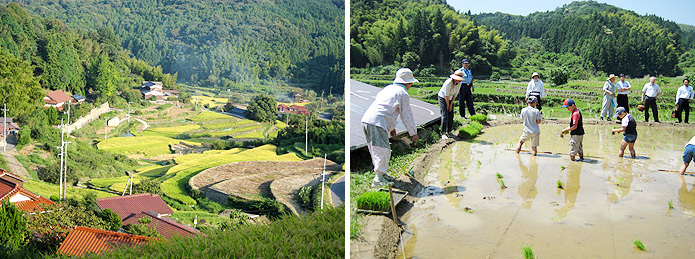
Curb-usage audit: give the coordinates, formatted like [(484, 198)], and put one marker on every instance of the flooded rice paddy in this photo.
[(605, 204)]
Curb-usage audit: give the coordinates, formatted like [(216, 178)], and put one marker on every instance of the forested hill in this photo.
[(611, 38), (423, 35), (41, 54), (220, 43)]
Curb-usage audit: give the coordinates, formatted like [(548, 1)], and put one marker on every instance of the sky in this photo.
[(679, 11)]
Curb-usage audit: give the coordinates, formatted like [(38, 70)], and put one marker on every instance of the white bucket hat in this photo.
[(405, 76), (458, 75)]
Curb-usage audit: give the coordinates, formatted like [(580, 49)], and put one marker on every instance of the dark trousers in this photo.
[(538, 97), (683, 105), (447, 116), (622, 102), (466, 96), (650, 103)]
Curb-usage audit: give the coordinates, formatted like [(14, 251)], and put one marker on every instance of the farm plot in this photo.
[(144, 145), (170, 132), (177, 177), (118, 183)]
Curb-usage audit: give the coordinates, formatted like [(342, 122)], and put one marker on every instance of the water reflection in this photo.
[(529, 175), (571, 188), (685, 196), (622, 181)]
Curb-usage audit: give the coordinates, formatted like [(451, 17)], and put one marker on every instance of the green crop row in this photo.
[(471, 131), (210, 116), (170, 132), (374, 200)]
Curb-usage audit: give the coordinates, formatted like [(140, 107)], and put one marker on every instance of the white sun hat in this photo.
[(405, 76)]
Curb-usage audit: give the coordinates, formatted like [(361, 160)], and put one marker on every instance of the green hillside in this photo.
[(224, 44)]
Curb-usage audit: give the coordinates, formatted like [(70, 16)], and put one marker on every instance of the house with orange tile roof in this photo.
[(11, 188), (84, 240), (131, 205), (56, 99), (168, 228), (295, 109)]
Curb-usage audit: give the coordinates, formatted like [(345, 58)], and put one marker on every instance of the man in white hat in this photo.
[(447, 94), (467, 90), (535, 88), (379, 121), (608, 98)]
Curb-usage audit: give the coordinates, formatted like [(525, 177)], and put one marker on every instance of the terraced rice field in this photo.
[(170, 132), (144, 145)]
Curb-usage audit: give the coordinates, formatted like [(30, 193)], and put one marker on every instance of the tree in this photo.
[(142, 228), (20, 89), (147, 186), (104, 77), (263, 108), (13, 226), (112, 220), (560, 75)]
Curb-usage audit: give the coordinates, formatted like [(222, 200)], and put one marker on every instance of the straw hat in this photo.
[(610, 77), (458, 75), (405, 76), (535, 74)]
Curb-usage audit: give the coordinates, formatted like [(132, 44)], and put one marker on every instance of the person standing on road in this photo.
[(467, 90), (650, 92), (379, 121), (629, 129), (683, 97), (688, 155), (531, 118), (576, 130), (447, 94), (535, 88), (608, 98), (623, 91)]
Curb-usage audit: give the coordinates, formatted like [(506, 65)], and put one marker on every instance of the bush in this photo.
[(480, 118), (560, 75), (495, 76), (113, 221), (183, 136), (304, 196), (374, 200)]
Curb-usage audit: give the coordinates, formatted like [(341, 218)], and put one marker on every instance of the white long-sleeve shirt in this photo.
[(449, 89), (535, 86), (390, 103), (685, 92)]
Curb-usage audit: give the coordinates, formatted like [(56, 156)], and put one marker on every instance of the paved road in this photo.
[(362, 95), (338, 192), (13, 165)]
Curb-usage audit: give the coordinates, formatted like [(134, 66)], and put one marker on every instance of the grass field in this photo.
[(47, 189), (175, 187), (170, 132), (145, 145)]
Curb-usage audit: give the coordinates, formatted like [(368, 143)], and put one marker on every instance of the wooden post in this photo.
[(393, 207)]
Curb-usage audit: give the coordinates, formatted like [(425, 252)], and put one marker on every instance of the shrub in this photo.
[(495, 76), (113, 221), (374, 200), (304, 196), (559, 76), (481, 118)]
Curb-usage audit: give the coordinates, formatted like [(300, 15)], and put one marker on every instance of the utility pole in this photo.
[(69, 105), (4, 128), (306, 138), (330, 91), (63, 160), (106, 128), (62, 144), (323, 179)]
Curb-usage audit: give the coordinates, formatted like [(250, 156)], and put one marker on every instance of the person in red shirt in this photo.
[(576, 130)]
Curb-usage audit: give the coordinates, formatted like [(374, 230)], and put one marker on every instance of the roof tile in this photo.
[(129, 205), (82, 240)]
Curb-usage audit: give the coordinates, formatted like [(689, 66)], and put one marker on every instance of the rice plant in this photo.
[(528, 252), (499, 176), (563, 168), (639, 245), (374, 200), (502, 185), (559, 184), (670, 205)]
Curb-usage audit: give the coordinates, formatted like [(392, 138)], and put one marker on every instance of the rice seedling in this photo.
[(528, 252), (562, 167), (468, 210), (502, 185), (670, 205), (559, 184), (499, 176), (374, 200), (639, 245), (479, 163)]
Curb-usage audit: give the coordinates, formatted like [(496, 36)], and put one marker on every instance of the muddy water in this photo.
[(606, 202)]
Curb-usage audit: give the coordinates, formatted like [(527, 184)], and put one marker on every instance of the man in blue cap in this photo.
[(467, 89), (576, 130)]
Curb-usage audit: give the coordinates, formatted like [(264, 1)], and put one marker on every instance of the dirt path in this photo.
[(144, 124), (14, 166)]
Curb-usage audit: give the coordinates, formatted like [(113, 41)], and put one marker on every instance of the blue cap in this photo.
[(465, 60), (568, 102), (618, 111)]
